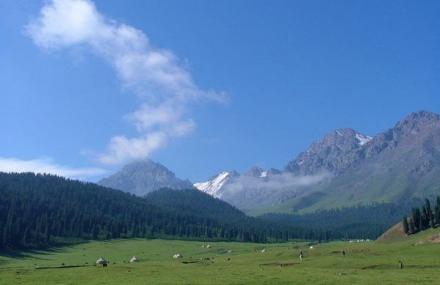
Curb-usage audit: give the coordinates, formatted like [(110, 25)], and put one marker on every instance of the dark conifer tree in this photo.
[(405, 225), (417, 219), (437, 212), (411, 227)]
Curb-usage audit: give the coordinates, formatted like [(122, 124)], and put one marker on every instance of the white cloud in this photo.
[(122, 148), (64, 23), (155, 75), (47, 166)]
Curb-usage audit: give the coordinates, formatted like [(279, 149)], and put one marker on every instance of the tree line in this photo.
[(360, 222), (422, 218), (36, 210)]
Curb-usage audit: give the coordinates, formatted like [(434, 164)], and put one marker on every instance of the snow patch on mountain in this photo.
[(214, 186), (363, 139)]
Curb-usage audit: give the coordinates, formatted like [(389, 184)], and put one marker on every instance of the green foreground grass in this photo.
[(365, 263)]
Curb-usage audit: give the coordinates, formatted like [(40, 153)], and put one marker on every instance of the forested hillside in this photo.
[(351, 222), (36, 209), (197, 203)]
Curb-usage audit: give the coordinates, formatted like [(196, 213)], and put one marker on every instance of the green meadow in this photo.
[(229, 263)]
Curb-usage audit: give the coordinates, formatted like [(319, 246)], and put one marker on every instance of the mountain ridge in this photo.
[(402, 162)]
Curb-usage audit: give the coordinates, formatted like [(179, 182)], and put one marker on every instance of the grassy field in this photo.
[(230, 263)]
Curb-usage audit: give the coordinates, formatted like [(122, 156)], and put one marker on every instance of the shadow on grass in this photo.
[(396, 266), (279, 264), (40, 252), (62, 266)]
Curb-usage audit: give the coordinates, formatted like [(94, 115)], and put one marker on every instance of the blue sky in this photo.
[(208, 85)]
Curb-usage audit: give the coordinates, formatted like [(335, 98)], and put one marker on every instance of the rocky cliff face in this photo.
[(334, 153), (418, 130)]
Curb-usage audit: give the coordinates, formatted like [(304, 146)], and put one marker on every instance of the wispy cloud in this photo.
[(165, 87), (47, 166)]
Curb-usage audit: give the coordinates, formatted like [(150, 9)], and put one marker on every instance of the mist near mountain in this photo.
[(258, 187), (279, 181)]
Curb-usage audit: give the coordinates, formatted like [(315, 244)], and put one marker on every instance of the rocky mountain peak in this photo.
[(146, 166), (144, 176), (273, 171), (214, 186), (326, 154), (418, 122), (419, 130), (256, 172)]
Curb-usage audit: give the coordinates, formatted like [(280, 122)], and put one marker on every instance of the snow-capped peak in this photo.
[(362, 139), (213, 187)]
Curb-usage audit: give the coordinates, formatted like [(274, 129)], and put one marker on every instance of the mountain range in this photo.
[(345, 168)]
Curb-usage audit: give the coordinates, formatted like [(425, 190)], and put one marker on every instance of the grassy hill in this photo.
[(395, 233), (230, 263)]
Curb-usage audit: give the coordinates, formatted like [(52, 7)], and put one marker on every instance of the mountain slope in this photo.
[(343, 169), (215, 185), (143, 177), (334, 153), (400, 164)]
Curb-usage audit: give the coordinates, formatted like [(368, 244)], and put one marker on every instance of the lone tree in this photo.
[(416, 218), (411, 228), (405, 225)]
